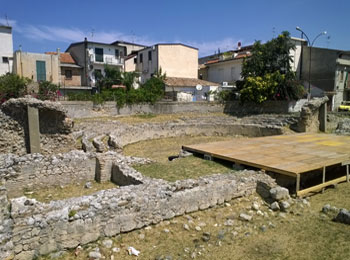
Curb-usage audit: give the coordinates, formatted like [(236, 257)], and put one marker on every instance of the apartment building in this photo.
[(6, 49), (175, 60), (94, 56)]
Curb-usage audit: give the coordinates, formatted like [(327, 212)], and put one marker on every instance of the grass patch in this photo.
[(68, 191), (184, 168), (160, 149)]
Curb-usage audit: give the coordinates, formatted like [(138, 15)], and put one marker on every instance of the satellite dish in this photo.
[(199, 87)]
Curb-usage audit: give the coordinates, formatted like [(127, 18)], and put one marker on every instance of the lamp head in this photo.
[(324, 33), (298, 28)]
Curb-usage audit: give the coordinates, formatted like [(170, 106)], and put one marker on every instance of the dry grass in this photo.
[(305, 235), (160, 149), (68, 191)]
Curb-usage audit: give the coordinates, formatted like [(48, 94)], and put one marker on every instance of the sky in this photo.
[(209, 25)]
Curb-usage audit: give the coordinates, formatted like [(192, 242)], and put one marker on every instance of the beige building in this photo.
[(59, 68), (130, 62), (70, 71), (175, 60), (129, 47), (37, 66)]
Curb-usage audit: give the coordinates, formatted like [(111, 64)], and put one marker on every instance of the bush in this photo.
[(12, 86), (80, 96), (47, 91), (150, 92)]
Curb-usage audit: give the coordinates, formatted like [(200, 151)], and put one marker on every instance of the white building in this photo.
[(6, 49), (227, 67), (94, 56)]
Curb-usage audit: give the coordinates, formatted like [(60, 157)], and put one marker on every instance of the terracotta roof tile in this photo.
[(212, 61), (65, 57)]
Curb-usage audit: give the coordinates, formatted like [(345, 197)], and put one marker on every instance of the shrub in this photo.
[(47, 91), (150, 92), (12, 86), (80, 96)]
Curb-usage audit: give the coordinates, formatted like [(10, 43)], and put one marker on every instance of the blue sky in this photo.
[(40, 26)]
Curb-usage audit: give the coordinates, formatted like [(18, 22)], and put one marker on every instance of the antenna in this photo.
[(92, 33), (328, 41), (7, 20)]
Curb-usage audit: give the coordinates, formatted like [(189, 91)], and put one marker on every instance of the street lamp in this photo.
[(310, 44)]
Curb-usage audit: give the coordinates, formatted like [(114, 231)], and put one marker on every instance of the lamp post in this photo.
[(310, 44)]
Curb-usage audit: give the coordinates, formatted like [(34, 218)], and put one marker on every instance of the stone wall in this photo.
[(83, 109), (55, 127), (123, 134), (12, 137), (33, 171), (38, 171), (311, 117), (41, 228), (338, 120)]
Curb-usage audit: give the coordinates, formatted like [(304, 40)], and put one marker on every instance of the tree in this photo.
[(267, 73), (128, 79), (112, 77), (12, 86)]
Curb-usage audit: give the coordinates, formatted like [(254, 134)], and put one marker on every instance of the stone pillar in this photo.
[(33, 129), (323, 117)]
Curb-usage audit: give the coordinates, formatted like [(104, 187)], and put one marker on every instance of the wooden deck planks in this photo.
[(286, 154)]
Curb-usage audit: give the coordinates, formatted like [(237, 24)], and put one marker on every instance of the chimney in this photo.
[(239, 45)]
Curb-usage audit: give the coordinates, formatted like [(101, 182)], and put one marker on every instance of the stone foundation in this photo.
[(36, 228)]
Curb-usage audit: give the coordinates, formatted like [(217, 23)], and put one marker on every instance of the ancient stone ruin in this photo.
[(29, 228), (313, 116), (54, 125)]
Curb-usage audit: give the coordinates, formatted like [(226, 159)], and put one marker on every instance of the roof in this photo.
[(212, 61), (65, 57), (132, 55), (237, 57), (78, 43), (131, 43), (188, 46), (187, 82), (5, 27)]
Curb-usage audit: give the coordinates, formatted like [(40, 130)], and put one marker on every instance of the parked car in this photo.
[(345, 106)]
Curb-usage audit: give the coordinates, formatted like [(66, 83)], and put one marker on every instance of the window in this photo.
[(149, 55), (116, 53), (99, 54), (5, 59), (135, 60), (141, 58), (68, 74)]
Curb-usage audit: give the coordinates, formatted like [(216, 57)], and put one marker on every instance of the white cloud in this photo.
[(69, 35), (210, 47)]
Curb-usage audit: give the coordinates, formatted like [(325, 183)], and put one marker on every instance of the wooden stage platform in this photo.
[(291, 155)]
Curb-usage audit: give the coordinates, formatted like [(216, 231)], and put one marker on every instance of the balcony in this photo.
[(98, 59)]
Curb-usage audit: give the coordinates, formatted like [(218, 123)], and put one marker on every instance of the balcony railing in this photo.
[(107, 60)]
